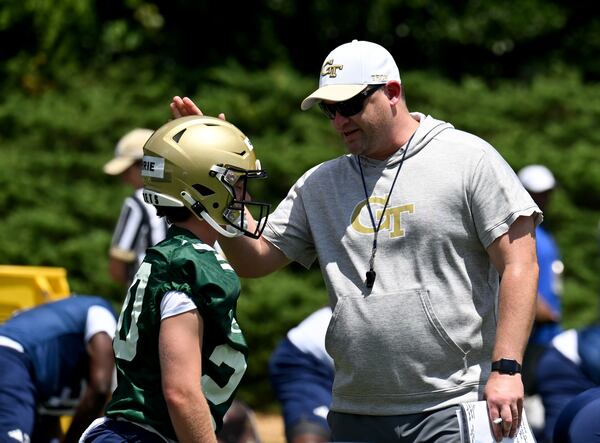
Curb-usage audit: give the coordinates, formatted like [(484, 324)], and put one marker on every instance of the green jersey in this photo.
[(179, 264)]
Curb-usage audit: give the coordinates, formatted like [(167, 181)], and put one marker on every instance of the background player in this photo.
[(301, 374), (567, 369), (46, 352)]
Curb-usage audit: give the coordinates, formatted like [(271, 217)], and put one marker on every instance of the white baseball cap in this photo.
[(537, 178), (129, 150), (349, 68)]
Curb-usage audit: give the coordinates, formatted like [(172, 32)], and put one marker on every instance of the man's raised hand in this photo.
[(181, 107)]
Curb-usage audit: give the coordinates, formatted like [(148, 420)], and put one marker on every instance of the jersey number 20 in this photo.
[(223, 354)]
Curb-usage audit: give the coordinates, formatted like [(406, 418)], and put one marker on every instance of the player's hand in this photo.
[(504, 395), (181, 107)]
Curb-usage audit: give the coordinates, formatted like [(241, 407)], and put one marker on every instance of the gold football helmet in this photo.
[(204, 163)]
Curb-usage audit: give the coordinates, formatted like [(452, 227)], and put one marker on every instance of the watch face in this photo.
[(506, 366)]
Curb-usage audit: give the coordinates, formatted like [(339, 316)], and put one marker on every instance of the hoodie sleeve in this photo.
[(497, 197)]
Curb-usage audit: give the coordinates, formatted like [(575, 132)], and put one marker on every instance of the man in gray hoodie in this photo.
[(426, 241)]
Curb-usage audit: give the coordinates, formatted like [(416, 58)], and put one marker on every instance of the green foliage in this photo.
[(60, 207), (516, 39), (78, 74)]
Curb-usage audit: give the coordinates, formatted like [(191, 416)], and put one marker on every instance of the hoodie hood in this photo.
[(428, 129)]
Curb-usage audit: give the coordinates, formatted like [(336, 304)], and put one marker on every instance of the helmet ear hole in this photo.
[(203, 190), (215, 205)]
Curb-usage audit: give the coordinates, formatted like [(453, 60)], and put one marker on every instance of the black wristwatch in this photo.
[(505, 366)]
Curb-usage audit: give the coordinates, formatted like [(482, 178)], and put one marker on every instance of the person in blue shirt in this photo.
[(55, 359), (539, 181)]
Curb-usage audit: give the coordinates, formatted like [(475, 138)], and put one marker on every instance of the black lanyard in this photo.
[(371, 274)]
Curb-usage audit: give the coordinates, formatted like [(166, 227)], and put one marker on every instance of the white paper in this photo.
[(475, 425)]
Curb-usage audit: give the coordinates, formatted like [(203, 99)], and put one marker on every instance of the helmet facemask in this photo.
[(235, 180)]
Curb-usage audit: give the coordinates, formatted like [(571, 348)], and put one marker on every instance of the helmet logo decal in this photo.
[(150, 198), (155, 198), (153, 167), (248, 143)]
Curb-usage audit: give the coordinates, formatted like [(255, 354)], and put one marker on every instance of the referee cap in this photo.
[(537, 178), (129, 150)]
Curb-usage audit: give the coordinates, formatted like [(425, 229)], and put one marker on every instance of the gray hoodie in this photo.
[(421, 338)]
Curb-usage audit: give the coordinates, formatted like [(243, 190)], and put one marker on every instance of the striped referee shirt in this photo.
[(137, 229)]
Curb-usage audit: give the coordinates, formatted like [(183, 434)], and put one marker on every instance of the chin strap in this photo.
[(229, 230), (198, 209), (232, 232)]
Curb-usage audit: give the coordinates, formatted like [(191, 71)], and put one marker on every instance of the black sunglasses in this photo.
[(349, 107)]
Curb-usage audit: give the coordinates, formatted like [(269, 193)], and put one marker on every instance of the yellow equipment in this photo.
[(24, 287), (27, 286)]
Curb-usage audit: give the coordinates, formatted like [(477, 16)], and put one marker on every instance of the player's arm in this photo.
[(180, 348), (98, 389), (119, 270), (513, 254), (544, 312), (122, 255)]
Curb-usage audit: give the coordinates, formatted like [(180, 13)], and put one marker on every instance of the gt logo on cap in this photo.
[(330, 69)]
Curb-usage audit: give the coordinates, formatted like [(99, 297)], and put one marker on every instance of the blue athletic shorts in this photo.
[(558, 381), (119, 431), (302, 384), (17, 396), (579, 421)]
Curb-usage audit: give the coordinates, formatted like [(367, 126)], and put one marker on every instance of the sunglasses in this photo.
[(349, 107)]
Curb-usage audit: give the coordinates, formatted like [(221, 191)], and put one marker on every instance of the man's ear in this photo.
[(393, 91)]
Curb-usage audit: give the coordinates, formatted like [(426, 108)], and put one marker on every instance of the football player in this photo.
[(46, 353), (178, 322), (301, 374)]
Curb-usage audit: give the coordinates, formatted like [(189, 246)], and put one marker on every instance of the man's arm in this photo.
[(249, 257), (98, 388), (252, 257), (180, 351), (513, 254)]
